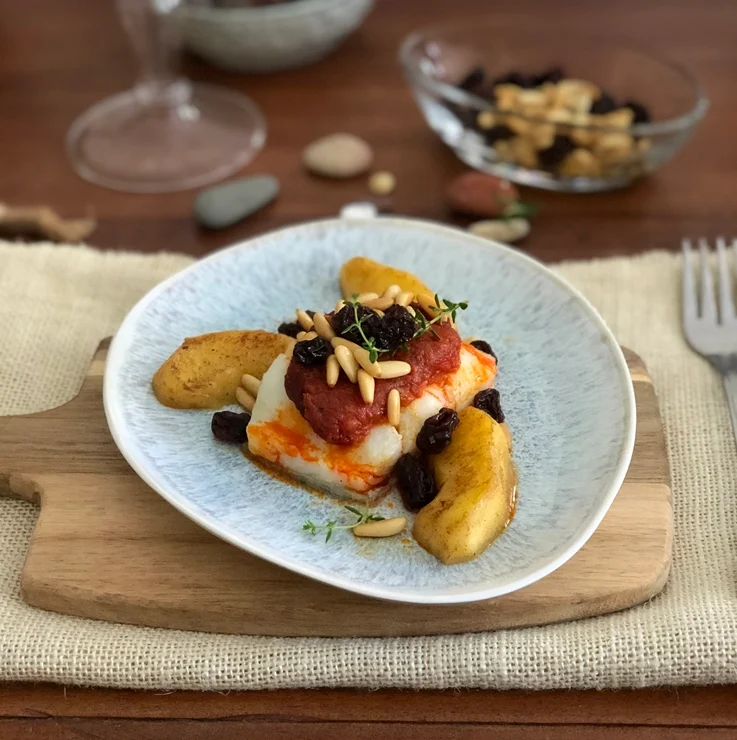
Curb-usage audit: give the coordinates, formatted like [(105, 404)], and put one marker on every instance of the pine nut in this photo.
[(244, 398), (379, 303), (332, 371), (411, 311), (393, 369), (382, 528), (364, 360), (393, 407), (379, 312), (305, 336), (304, 319), (363, 297), (251, 384), (339, 305), (322, 326), (340, 342), (367, 386), (382, 183), (391, 292), (404, 298), (348, 362), (485, 120)]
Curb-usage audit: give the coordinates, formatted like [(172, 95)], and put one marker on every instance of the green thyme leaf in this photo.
[(444, 308), (362, 516), (518, 209)]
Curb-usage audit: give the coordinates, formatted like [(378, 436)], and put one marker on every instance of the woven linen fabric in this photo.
[(57, 302)]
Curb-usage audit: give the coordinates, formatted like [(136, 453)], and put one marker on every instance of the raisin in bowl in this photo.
[(561, 111)]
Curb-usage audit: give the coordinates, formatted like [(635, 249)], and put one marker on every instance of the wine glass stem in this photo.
[(155, 34)]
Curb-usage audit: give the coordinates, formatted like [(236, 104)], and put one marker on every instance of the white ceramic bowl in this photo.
[(563, 380), (272, 37)]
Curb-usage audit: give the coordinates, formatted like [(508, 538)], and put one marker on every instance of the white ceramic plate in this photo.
[(563, 380)]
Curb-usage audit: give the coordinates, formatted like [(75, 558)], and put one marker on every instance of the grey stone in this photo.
[(224, 205)]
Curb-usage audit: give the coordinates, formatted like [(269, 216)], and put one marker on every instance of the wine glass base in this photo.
[(162, 143)]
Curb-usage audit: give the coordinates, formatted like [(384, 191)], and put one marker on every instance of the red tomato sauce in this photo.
[(340, 416)]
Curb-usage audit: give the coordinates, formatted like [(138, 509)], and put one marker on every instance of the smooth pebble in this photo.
[(507, 230), (338, 156), (223, 205)]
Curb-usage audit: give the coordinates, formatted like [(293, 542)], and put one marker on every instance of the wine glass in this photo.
[(165, 133)]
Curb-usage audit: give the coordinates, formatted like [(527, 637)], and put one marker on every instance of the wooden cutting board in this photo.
[(107, 547)]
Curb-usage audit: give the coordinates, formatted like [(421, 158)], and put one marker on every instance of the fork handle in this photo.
[(730, 386)]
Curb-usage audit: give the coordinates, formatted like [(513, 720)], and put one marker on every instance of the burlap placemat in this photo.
[(56, 303)]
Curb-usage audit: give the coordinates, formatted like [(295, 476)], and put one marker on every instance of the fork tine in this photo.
[(708, 300), (726, 303), (688, 300)]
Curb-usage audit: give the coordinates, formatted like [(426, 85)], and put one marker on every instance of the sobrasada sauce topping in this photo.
[(340, 414)]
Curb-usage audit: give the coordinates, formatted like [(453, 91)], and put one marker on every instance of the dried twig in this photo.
[(43, 221)]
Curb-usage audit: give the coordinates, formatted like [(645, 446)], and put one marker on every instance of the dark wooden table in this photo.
[(56, 58)]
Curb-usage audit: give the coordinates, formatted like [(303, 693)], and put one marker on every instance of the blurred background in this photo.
[(286, 74)]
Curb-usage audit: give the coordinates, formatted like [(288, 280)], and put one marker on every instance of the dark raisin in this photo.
[(311, 314), (370, 323), (228, 426), (489, 402), (487, 91), (436, 432), (483, 346), (516, 78), (473, 80), (642, 114), (497, 133), (290, 328), (465, 115), (397, 328), (415, 482), (312, 351), (604, 104), (554, 75), (551, 157)]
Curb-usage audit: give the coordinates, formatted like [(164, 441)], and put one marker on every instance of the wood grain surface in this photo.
[(57, 58), (94, 508), (47, 711)]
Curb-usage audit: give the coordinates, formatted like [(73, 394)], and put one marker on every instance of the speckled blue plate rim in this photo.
[(113, 415)]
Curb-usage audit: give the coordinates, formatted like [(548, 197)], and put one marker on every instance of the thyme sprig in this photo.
[(443, 308), (518, 209), (362, 517)]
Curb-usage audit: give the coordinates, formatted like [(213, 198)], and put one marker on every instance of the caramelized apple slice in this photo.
[(204, 371), (477, 483), (362, 275)]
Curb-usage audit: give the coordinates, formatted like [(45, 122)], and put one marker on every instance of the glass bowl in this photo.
[(269, 38), (516, 101)]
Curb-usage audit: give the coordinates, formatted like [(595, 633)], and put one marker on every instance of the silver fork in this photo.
[(710, 324)]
